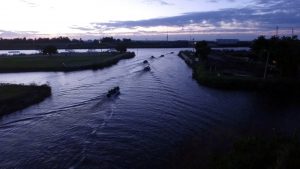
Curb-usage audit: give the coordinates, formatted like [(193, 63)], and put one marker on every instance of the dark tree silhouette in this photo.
[(107, 40), (49, 50), (121, 48), (202, 49), (284, 51)]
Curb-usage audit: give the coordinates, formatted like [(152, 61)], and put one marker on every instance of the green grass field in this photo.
[(16, 97), (60, 62)]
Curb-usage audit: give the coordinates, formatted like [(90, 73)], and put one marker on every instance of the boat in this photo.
[(172, 53), (113, 91), (145, 61), (162, 56), (152, 57), (147, 68)]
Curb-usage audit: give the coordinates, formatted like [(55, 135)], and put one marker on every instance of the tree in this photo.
[(202, 49), (283, 51), (260, 45), (121, 48), (49, 50), (107, 40)]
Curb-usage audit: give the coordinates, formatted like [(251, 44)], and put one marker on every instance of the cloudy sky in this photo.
[(148, 19)]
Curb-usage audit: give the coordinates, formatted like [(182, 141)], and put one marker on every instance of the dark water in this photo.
[(78, 127)]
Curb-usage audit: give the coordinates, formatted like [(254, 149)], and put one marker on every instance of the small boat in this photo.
[(152, 57), (114, 91), (147, 68), (172, 53), (145, 61), (162, 56)]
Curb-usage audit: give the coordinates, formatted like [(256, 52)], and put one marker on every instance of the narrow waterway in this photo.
[(79, 127)]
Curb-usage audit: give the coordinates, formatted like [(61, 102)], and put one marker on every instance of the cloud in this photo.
[(27, 2), (161, 2), (264, 15), (14, 34), (255, 16), (81, 28), (216, 1)]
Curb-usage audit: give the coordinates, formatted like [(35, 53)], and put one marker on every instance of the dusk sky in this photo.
[(148, 19)]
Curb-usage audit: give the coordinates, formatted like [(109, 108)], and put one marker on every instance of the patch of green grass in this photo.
[(60, 62), (16, 97)]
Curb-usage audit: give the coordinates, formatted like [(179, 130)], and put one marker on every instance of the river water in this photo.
[(79, 127)]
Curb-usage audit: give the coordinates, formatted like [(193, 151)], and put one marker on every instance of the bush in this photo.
[(121, 48), (49, 50)]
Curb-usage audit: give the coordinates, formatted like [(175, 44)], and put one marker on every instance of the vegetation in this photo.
[(61, 62), (272, 151), (17, 97), (260, 153), (277, 54), (49, 50), (121, 48), (231, 82), (281, 52), (202, 49)]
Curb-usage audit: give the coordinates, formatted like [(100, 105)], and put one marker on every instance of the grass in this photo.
[(260, 153), (16, 97), (274, 151), (230, 82), (60, 62)]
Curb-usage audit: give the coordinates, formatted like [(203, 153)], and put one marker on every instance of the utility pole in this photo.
[(167, 36), (292, 32), (277, 31)]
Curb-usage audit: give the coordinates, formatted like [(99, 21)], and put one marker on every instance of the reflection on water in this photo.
[(29, 52), (79, 127)]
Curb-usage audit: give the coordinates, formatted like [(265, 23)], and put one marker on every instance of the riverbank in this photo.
[(16, 97), (235, 81), (276, 150), (61, 62)]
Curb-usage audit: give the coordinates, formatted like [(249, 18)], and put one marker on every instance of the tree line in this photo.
[(282, 52)]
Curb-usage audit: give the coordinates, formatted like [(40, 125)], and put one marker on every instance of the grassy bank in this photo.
[(17, 97), (61, 62), (231, 82), (275, 151), (260, 152)]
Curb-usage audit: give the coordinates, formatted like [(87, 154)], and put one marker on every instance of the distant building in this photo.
[(227, 41)]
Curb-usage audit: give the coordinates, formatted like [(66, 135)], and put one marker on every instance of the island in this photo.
[(64, 62), (15, 97)]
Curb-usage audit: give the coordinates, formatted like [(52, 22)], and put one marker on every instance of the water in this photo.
[(78, 127), (29, 52)]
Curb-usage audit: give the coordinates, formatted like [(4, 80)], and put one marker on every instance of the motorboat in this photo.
[(147, 68), (114, 91)]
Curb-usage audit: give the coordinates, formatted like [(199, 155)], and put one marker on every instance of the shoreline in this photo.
[(231, 82), (18, 97), (61, 62)]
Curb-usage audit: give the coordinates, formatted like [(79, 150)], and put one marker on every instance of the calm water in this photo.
[(28, 52), (78, 127)]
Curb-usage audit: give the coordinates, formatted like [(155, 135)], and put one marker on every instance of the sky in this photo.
[(149, 19)]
